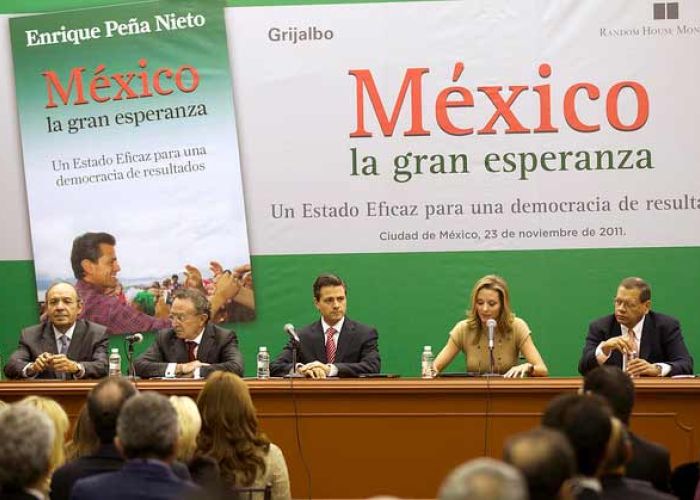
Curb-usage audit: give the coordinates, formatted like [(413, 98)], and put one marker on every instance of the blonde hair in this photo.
[(189, 422), (505, 315), (58, 416)]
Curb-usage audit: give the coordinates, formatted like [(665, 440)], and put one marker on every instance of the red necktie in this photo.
[(330, 346), (191, 346)]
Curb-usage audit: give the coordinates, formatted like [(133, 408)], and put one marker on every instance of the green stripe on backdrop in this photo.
[(414, 299)]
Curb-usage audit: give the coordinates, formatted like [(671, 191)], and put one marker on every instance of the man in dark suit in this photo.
[(192, 347), (335, 345), (650, 461), (104, 402), (147, 433), (641, 342), (61, 347)]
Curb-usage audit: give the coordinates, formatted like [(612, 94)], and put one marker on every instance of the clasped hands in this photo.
[(315, 369), (59, 362), (636, 367), (186, 370)]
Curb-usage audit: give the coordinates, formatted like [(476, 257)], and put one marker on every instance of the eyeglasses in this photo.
[(180, 318)]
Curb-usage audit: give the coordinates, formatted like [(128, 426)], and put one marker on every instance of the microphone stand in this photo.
[(293, 369), (130, 370)]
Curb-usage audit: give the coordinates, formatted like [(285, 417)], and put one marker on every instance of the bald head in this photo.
[(105, 402), (545, 458), (63, 305)]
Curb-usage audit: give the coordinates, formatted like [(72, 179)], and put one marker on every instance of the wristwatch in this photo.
[(659, 370)]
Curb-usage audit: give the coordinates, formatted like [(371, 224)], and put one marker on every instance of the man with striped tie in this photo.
[(335, 345), (635, 338), (61, 347)]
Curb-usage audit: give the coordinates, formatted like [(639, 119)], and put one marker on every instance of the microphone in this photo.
[(491, 325), (134, 339), (289, 330)]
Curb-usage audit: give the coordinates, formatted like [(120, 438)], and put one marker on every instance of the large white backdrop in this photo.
[(616, 81)]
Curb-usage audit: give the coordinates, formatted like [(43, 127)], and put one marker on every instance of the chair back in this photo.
[(253, 492)]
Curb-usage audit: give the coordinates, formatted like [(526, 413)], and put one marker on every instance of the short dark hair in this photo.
[(326, 280), (87, 246), (615, 386), (546, 459), (198, 299), (104, 403), (638, 283), (147, 427), (585, 421)]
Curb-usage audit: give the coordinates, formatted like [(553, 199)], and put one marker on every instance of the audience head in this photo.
[(545, 458), (84, 441), (615, 386), (58, 417), (490, 299), (94, 260), (483, 479), (26, 441), (104, 403), (230, 433), (585, 421), (619, 449), (147, 428), (189, 423)]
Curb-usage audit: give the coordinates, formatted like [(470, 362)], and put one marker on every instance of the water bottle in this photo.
[(263, 363), (115, 363), (426, 362)]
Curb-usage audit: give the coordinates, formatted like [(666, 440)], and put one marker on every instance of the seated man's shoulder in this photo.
[(663, 319), (360, 328), (97, 328)]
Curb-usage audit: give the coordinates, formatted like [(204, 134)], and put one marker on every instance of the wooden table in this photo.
[(401, 437)]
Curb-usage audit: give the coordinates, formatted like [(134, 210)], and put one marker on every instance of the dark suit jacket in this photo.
[(87, 347), (620, 488), (650, 462), (356, 352), (219, 348), (662, 342), (138, 479), (105, 459)]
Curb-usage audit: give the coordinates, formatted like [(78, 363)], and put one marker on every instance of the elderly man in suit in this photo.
[(335, 345), (61, 347), (192, 348), (635, 338)]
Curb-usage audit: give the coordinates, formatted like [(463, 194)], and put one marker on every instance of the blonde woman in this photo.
[(189, 423), (58, 417), (231, 437), (490, 300)]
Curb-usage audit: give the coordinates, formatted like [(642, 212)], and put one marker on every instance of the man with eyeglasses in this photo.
[(62, 347), (635, 338), (192, 347)]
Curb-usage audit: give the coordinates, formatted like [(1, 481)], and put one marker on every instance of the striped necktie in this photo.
[(330, 346)]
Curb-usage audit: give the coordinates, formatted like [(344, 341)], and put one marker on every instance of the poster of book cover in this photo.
[(131, 159)]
